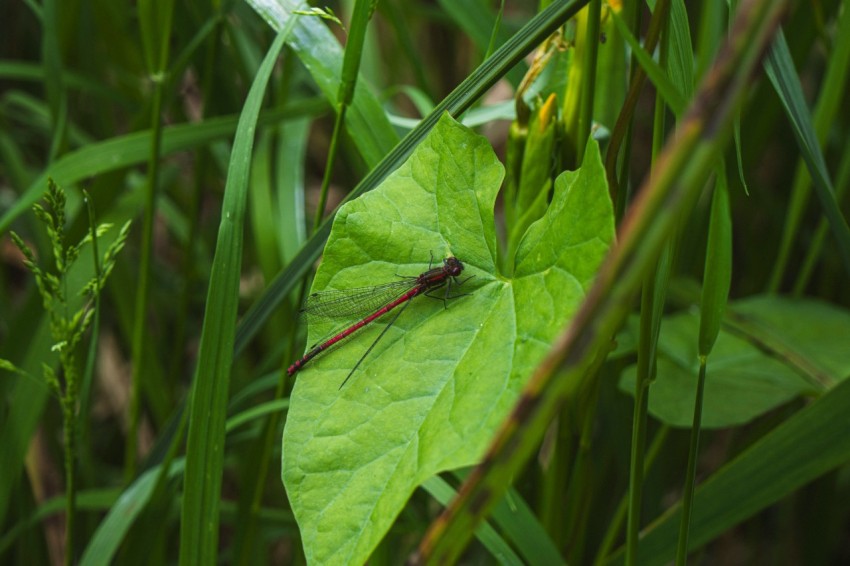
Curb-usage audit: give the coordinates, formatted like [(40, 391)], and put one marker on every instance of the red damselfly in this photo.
[(374, 302)]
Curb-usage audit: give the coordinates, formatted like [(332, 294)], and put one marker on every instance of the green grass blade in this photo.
[(514, 517), (108, 537), (363, 10), (155, 19), (780, 69), (680, 62), (22, 71), (832, 93), (478, 20), (205, 443), (26, 399), (843, 181), (291, 155), (668, 91), (256, 412), (499, 549), (109, 155), (113, 529), (321, 54), (718, 265), (54, 85)]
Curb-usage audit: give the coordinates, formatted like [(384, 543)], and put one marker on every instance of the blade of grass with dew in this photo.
[(473, 87), (246, 541), (205, 443)]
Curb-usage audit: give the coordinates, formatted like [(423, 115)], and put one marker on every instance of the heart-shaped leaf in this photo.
[(428, 397)]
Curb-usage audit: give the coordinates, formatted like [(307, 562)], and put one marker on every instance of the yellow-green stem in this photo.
[(326, 180), (690, 476)]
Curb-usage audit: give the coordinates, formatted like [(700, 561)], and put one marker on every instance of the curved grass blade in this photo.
[(122, 151), (205, 443), (803, 448), (779, 68)]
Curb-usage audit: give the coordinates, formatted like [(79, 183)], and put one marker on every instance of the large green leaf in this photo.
[(771, 350), (429, 395)]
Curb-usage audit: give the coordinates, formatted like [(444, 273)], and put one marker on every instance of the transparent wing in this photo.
[(353, 303)]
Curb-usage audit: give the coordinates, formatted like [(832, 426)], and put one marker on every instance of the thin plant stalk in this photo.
[(155, 21), (619, 516), (715, 292), (690, 474), (588, 85), (651, 312)]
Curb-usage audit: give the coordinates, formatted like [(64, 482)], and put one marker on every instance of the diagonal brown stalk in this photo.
[(681, 172)]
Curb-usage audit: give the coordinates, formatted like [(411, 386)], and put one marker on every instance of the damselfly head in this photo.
[(452, 266)]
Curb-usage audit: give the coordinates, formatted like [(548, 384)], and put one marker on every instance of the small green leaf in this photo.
[(430, 394), (718, 264), (10, 367), (323, 13)]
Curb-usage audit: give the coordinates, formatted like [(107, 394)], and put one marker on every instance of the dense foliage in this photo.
[(646, 348)]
